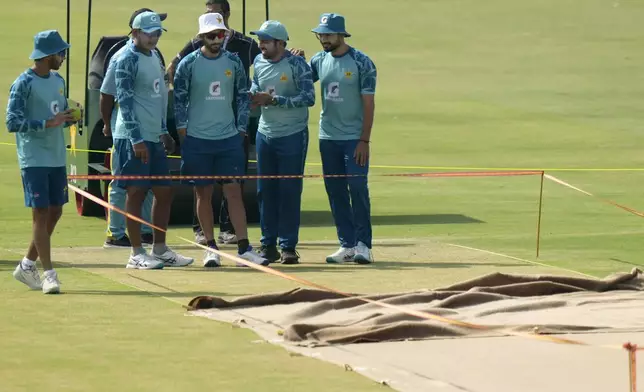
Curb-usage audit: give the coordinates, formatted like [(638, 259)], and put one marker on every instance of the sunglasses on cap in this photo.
[(215, 34)]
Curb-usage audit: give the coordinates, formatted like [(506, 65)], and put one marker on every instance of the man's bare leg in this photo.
[(233, 193), (133, 204), (54, 214), (204, 211), (161, 213)]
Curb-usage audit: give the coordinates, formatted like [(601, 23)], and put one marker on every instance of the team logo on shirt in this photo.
[(54, 106), (229, 73), (348, 74), (156, 86), (284, 78), (215, 91), (61, 91)]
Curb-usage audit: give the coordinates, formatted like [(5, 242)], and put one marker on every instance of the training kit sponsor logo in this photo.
[(54, 106), (156, 87), (333, 92), (215, 91)]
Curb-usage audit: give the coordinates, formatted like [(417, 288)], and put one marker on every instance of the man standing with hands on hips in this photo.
[(205, 85), (141, 141), (348, 80), (283, 88)]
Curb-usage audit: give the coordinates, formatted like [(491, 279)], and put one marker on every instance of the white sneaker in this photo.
[(171, 258), (28, 276), (211, 260), (363, 254), (343, 255), (253, 257), (144, 261), (50, 284), (227, 238)]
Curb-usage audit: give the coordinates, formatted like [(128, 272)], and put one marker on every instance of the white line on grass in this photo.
[(520, 259)]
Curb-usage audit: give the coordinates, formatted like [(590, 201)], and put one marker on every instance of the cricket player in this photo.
[(206, 83), (37, 113), (348, 84), (283, 88), (246, 49), (116, 235), (142, 141)]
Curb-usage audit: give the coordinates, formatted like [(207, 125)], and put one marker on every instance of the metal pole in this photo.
[(267, 10), (539, 217), (89, 26), (69, 11), (244, 16)]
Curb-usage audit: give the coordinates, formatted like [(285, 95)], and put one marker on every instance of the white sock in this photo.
[(27, 264), (50, 273)]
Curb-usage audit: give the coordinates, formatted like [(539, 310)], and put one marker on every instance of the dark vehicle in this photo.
[(88, 136)]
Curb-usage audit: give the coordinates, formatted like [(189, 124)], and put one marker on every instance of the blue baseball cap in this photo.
[(47, 43), (271, 29), (148, 22), (331, 24)]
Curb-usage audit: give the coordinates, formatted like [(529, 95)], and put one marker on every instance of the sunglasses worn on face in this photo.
[(62, 53), (215, 34), (154, 34)]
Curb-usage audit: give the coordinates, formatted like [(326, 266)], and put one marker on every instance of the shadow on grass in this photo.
[(9, 265), (350, 267), (325, 219)]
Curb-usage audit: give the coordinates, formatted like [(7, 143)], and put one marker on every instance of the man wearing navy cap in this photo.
[(348, 80), (116, 235), (142, 141), (283, 88), (37, 113)]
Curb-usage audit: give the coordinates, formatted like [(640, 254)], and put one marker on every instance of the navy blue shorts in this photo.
[(45, 186), (201, 157), (125, 163)]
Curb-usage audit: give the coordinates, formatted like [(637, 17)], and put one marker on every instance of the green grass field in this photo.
[(494, 84)]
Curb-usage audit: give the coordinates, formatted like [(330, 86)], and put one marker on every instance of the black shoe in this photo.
[(123, 242), (270, 253), (290, 256), (147, 239)]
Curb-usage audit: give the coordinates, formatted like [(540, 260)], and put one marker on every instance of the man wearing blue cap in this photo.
[(283, 88), (348, 84), (116, 235), (142, 141), (37, 113)]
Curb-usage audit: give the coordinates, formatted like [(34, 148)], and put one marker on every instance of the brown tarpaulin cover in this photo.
[(544, 303)]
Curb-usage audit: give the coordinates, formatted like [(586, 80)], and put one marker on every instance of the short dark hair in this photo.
[(225, 5)]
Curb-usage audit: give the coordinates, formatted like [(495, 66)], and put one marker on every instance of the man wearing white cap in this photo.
[(36, 114), (142, 141), (283, 88), (205, 85)]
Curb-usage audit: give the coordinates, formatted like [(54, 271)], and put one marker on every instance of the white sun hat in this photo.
[(210, 22)]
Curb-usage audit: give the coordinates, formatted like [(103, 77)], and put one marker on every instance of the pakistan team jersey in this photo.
[(290, 81), (142, 96), (204, 92), (33, 100), (343, 81)]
